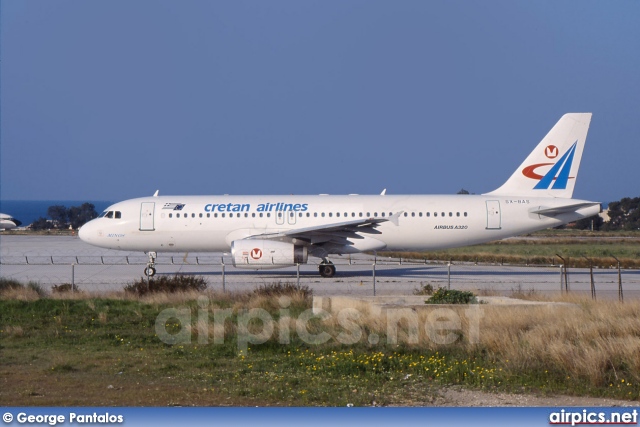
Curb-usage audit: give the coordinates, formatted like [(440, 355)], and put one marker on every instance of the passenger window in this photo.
[(208, 215), (450, 213), (315, 214), (322, 214), (338, 214), (457, 213), (465, 214), (435, 214), (420, 214), (360, 214), (215, 215), (223, 215), (260, 214), (268, 214), (253, 215), (300, 214), (330, 214), (292, 214), (246, 215), (382, 214), (368, 214), (406, 214), (177, 215), (428, 214), (200, 215), (353, 214), (170, 215), (413, 214), (375, 214), (346, 214), (443, 214)]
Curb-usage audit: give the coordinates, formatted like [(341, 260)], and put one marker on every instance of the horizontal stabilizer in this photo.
[(541, 210)]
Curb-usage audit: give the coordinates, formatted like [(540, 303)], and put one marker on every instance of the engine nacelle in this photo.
[(257, 254)]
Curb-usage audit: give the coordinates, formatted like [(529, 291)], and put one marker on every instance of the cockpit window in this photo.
[(111, 214)]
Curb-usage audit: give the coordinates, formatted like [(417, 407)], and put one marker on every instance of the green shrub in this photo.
[(424, 290), (37, 287), (62, 288), (278, 289), (6, 284), (452, 296), (170, 284)]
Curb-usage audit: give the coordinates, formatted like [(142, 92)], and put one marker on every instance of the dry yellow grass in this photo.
[(586, 339)]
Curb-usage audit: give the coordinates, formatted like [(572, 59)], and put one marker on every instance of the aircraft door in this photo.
[(291, 217), (146, 216), (280, 217), (494, 217)]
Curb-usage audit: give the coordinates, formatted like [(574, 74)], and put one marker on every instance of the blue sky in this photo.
[(109, 100)]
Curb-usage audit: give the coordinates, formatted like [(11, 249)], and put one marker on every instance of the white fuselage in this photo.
[(7, 222), (426, 222)]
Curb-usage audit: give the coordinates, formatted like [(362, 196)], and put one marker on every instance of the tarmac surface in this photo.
[(52, 260)]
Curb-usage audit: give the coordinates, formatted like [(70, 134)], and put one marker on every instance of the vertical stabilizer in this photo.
[(552, 167)]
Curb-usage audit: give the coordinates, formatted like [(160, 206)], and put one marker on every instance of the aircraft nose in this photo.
[(83, 233)]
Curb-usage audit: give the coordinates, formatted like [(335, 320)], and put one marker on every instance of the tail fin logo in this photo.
[(551, 151), (558, 176)]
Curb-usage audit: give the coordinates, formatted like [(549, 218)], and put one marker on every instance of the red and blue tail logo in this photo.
[(558, 176)]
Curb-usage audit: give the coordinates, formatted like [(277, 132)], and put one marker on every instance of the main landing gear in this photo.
[(150, 269), (326, 268)]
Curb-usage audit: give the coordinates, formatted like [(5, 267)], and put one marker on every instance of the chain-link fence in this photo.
[(358, 275)]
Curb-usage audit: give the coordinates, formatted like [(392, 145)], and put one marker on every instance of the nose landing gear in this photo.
[(150, 269)]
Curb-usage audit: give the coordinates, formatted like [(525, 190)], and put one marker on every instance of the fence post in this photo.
[(374, 279), (620, 296), (223, 278), (298, 274), (561, 288), (593, 284), (449, 275), (73, 277), (566, 277)]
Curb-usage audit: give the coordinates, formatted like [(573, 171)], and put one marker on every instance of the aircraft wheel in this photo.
[(150, 271), (327, 270)]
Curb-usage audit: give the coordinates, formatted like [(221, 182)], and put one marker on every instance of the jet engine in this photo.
[(259, 254)]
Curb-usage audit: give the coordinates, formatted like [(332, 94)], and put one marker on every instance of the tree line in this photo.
[(623, 215), (63, 217)]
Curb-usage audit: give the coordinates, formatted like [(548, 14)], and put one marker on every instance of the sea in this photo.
[(28, 211)]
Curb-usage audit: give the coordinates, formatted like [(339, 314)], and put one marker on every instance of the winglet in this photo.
[(156, 193), (383, 192)]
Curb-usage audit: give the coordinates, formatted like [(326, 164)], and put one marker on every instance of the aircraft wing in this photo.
[(335, 233)]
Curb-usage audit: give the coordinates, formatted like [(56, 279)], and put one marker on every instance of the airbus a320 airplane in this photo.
[(278, 231)]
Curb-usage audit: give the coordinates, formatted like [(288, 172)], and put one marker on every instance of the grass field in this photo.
[(543, 248), (86, 350)]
